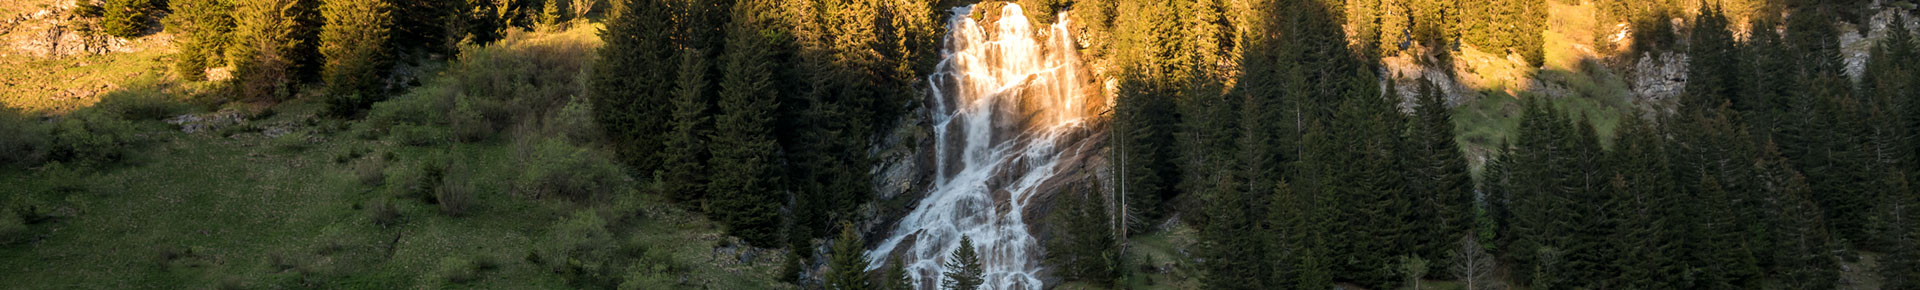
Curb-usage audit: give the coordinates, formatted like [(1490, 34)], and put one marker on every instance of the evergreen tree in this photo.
[(1804, 255), (743, 189), (1441, 183), (128, 18), (354, 42), (963, 268), (202, 31), (263, 48), (629, 89), (895, 277), (1085, 249), (846, 270), (686, 153), (1231, 255)]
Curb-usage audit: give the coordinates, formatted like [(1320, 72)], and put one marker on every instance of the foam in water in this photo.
[(1003, 100)]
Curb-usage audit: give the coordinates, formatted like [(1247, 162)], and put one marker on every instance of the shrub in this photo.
[(417, 135), (580, 248), (292, 141), (574, 121), (371, 172), (142, 104), (467, 122), (12, 229), (417, 181), (127, 18), (456, 189), (87, 9), (554, 168), (25, 139), (383, 213), (92, 136), (456, 270)]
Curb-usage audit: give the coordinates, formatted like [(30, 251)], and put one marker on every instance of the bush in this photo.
[(12, 229), (456, 190), (554, 168), (383, 213), (467, 122), (417, 181), (25, 140), (141, 104), (456, 270), (371, 172), (127, 18), (292, 141), (92, 136), (417, 135)]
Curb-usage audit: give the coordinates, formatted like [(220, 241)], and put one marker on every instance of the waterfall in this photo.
[(1006, 102)]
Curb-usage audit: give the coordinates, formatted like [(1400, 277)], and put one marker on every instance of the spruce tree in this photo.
[(202, 31), (127, 18), (630, 90), (354, 41), (846, 270), (1805, 252), (265, 41), (964, 271), (744, 177), (1085, 248), (1441, 182), (685, 158), (895, 277)]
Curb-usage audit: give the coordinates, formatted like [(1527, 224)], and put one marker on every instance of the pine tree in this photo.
[(963, 268), (202, 31), (846, 270), (128, 18), (1231, 255), (744, 176), (895, 277), (686, 153), (1085, 249), (354, 42), (264, 42), (1805, 252), (630, 90), (1441, 182)]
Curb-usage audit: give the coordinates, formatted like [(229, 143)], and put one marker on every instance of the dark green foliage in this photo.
[(128, 18), (686, 155), (28, 140), (1440, 185), (554, 168), (354, 42), (265, 46), (963, 268), (847, 268), (1506, 26), (744, 179), (1085, 247), (202, 31), (895, 277), (629, 87)]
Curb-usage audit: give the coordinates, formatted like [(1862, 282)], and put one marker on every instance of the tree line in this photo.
[(1774, 168)]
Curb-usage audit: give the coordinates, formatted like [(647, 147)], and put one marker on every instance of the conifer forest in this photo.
[(960, 144)]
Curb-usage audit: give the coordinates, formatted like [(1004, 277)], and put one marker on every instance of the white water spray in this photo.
[(1004, 103)]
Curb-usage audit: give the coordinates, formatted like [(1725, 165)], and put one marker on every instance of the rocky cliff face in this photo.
[(55, 31)]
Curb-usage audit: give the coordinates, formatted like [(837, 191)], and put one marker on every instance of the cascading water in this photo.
[(1005, 106)]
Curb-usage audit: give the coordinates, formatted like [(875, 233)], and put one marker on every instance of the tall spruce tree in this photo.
[(744, 178), (202, 31), (630, 90), (1085, 248), (265, 42), (685, 158), (1441, 184)]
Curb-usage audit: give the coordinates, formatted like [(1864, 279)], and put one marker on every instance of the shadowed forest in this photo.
[(812, 144)]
